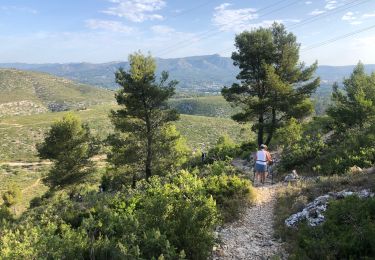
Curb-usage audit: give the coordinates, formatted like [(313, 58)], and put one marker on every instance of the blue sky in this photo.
[(40, 31)]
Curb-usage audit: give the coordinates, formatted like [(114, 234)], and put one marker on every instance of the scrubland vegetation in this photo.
[(85, 211), (156, 197), (335, 146)]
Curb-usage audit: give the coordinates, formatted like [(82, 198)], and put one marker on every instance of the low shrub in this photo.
[(231, 194), (224, 149), (301, 153), (218, 168), (347, 233), (166, 218)]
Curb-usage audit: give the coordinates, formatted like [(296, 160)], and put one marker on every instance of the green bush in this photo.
[(218, 168), (166, 218), (49, 239), (12, 196), (247, 150), (302, 153), (231, 194), (356, 147), (225, 148), (182, 211), (348, 233), (5, 214)]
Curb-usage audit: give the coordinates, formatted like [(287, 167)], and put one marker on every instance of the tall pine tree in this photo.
[(273, 85), (144, 113)]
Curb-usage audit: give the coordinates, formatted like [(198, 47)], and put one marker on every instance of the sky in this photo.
[(334, 32)]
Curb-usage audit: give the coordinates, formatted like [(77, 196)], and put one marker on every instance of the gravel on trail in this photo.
[(252, 236)]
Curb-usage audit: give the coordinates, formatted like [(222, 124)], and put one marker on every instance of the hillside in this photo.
[(214, 106), (20, 134), (206, 73), (25, 92)]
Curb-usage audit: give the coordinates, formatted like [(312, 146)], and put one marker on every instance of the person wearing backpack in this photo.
[(262, 160)]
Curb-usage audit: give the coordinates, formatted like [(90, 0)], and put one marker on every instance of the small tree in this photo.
[(143, 115), (70, 146), (274, 86)]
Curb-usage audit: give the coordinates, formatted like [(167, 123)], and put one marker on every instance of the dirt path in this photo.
[(25, 164), (252, 236), (98, 159), (36, 183)]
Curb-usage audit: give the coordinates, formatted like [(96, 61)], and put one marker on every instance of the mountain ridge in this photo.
[(204, 73)]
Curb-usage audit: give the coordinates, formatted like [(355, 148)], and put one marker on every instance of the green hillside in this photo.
[(21, 133), (215, 106), (25, 92)]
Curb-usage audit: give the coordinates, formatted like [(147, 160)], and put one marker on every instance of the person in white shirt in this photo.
[(262, 159)]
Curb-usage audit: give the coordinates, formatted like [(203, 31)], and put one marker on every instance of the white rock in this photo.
[(313, 212)]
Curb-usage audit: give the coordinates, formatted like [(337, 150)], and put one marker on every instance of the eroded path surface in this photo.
[(252, 237)]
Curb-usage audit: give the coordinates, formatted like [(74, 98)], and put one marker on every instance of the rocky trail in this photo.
[(252, 236)]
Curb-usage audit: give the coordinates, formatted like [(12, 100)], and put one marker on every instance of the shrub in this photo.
[(224, 148), (12, 196), (49, 239), (354, 148), (218, 168), (289, 134), (301, 153), (166, 218), (231, 194), (182, 211), (348, 233), (247, 149)]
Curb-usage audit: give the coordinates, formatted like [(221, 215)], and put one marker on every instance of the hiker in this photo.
[(204, 156), (262, 159)]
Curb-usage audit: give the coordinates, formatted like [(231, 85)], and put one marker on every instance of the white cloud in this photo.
[(162, 29), (136, 10), (328, 6), (317, 12), (308, 2), (356, 18), (331, 4), (13, 8), (233, 19), (356, 22), (113, 26), (368, 15), (349, 16)]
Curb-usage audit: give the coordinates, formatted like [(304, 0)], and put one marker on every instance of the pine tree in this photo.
[(273, 85), (70, 146), (356, 104), (143, 115)]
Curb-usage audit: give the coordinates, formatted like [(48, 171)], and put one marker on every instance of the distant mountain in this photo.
[(199, 73), (26, 92), (206, 73)]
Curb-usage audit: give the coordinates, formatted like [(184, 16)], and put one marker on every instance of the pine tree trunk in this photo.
[(149, 150), (272, 128), (260, 130)]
